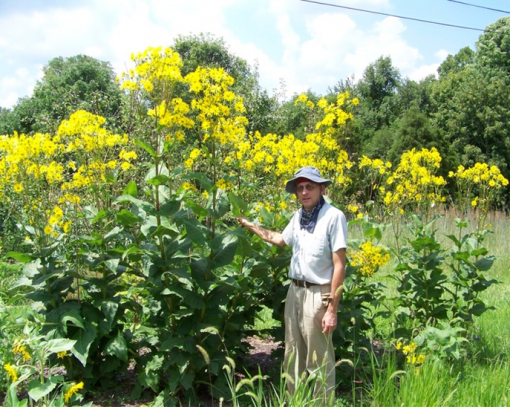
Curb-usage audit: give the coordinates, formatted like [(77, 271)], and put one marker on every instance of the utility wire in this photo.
[(393, 15), (476, 5)]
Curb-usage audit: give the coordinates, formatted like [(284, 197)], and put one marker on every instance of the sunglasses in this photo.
[(308, 187)]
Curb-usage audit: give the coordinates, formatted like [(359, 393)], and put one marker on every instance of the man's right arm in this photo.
[(267, 235)]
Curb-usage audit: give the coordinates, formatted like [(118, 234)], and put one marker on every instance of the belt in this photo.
[(303, 283)]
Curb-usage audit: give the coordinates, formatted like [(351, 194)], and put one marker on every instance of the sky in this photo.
[(296, 45)]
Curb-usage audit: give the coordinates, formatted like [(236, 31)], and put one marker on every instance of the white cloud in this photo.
[(10, 86), (423, 71), (310, 46), (441, 54)]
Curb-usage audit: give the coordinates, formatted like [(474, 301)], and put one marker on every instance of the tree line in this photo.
[(463, 112)]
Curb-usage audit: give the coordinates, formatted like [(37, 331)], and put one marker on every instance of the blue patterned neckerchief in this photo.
[(309, 218)]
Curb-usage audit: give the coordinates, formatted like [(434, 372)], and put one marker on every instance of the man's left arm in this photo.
[(329, 320)]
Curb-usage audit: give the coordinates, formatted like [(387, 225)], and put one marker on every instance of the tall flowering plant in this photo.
[(192, 265), (439, 287)]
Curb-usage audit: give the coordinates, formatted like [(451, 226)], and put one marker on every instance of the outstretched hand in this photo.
[(242, 221)]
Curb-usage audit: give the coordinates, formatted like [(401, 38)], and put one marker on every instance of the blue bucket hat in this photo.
[(310, 173)]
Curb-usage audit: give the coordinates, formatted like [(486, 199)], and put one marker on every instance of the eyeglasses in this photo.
[(309, 187)]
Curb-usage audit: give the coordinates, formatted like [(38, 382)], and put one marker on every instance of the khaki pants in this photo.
[(308, 351)]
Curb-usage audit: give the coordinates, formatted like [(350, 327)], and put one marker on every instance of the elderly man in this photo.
[(317, 234)]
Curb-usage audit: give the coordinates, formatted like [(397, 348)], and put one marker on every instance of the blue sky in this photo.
[(305, 45)]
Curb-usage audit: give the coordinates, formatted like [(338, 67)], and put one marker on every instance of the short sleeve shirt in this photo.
[(312, 253)]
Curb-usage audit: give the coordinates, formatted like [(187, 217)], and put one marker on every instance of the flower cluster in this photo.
[(44, 173), (11, 371), (21, 350), (479, 184), (156, 69), (409, 350), (373, 172), (369, 258), (73, 389), (414, 180), (281, 156)]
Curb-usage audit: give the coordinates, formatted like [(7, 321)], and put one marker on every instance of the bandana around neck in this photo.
[(309, 218)]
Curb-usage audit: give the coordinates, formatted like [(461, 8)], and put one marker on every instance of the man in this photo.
[(317, 234)]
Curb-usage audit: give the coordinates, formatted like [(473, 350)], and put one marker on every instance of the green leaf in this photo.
[(146, 147), (160, 179), (461, 256), (455, 240), (222, 204), (197, 232), (21, 257), (372, 231), (224, 249), (109, 309), (117, 347), (479, 252), (84, 338), (37, 390), (59, 345), (485, 263), (244, 248), (205, 182), (145, 206), (169, 208), (198, 209), (112, 234), (127, 218), (73, 316), (238, 205), (131, 189), (103, 213)]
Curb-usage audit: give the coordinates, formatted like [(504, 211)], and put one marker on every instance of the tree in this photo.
[(68, 85), (380, 80), (456, 63), (493, 46), (473, 112)]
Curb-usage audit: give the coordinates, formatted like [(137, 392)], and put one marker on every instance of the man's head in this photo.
[(308, 185)]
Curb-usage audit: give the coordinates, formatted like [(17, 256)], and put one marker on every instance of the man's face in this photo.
[(309, 193)]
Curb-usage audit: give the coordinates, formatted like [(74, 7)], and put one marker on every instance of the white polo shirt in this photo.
[(312, 252)]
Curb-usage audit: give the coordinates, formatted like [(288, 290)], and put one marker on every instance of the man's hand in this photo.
[(242, 221), (329, 322), (267, 235)]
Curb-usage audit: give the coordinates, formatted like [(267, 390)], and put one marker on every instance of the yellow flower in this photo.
[(62, 354), (283, 205), (409, 348), (72, 391), (11, 370), (399, 345), (187, 186), (352, 208), (369, 258), (18, 188), (48, 230), (19, 349)]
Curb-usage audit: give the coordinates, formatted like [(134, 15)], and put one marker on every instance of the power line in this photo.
[(393, 15), (476, 5)]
